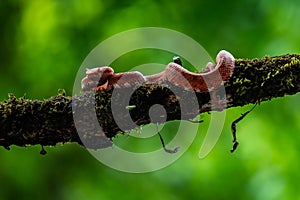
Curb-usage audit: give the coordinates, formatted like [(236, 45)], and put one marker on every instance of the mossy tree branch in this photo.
[(51, 121)]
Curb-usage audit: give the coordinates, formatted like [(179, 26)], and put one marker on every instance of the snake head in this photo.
[(96, 77), (226, 58)]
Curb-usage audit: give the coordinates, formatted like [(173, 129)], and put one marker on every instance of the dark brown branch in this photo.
[(48, 122)]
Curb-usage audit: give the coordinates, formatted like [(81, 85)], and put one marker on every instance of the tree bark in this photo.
[(51, 121)]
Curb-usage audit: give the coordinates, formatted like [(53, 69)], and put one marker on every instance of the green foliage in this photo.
[(43, 43)]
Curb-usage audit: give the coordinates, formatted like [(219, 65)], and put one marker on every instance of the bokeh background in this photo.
[(42, 45)]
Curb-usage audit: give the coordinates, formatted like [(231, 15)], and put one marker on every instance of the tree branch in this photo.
[(29, 122)]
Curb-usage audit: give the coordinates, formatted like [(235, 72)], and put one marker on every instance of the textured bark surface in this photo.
[(51, 121)]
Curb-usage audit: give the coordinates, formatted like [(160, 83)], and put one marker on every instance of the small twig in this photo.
[(196, 121), (163, 143), (177, 60), (233, 129), (43, 151)]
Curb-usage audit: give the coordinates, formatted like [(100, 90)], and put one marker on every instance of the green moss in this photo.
[(24, 121)]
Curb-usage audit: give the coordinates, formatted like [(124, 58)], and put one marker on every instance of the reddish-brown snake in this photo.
[(104, 78)]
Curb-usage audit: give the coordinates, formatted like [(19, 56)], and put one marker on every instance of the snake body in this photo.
[(104, 78)]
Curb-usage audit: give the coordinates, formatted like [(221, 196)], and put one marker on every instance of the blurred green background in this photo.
[(42, 45)]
